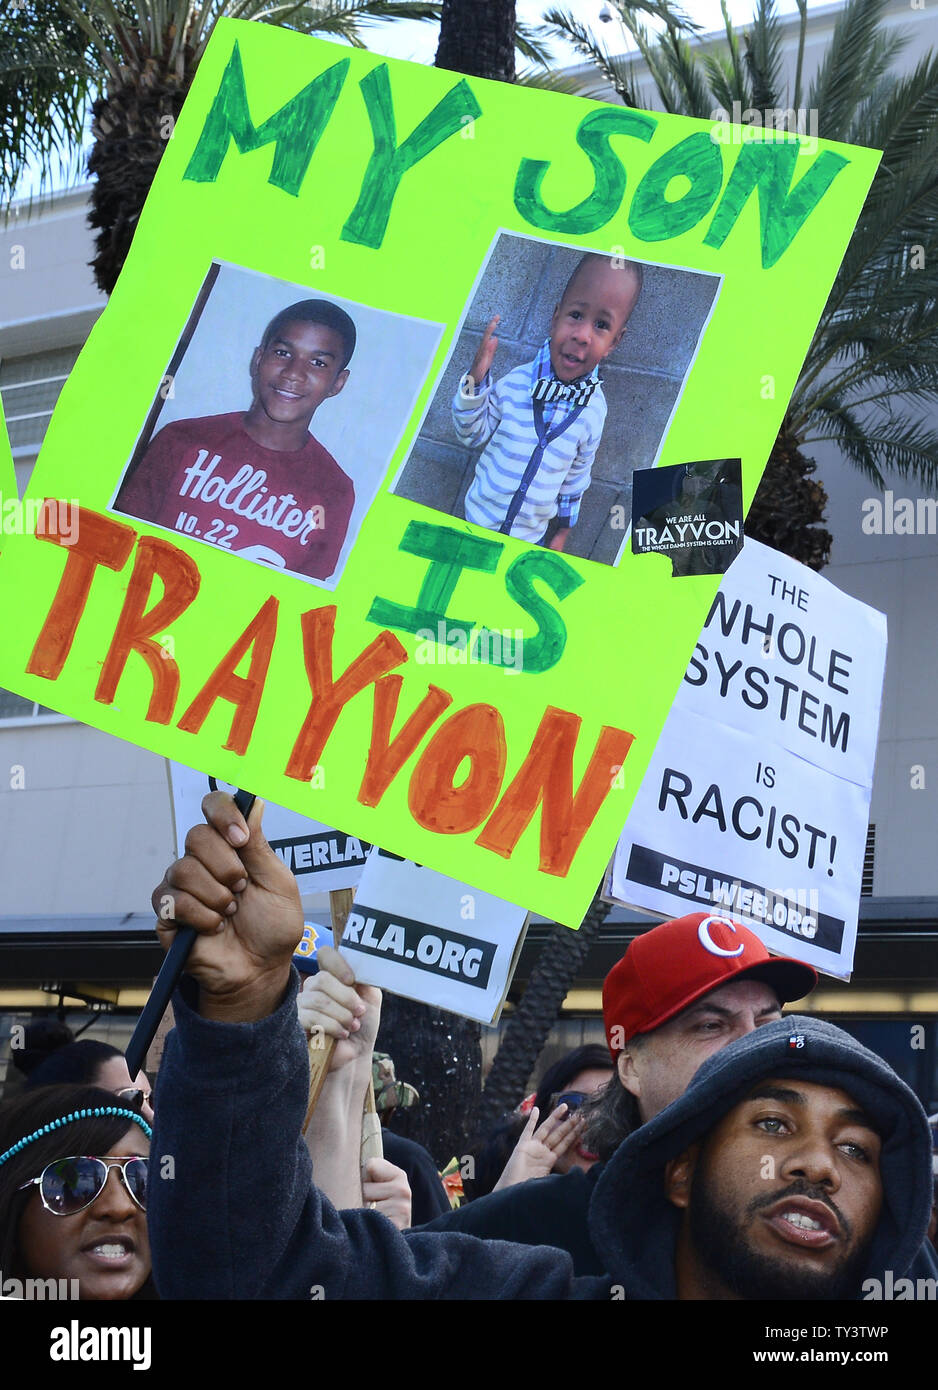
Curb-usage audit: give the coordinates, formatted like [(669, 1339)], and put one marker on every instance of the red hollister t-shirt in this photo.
[(208, 479)]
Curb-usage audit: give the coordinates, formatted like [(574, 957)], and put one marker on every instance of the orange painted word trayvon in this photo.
[(352, 446), (473, 732)]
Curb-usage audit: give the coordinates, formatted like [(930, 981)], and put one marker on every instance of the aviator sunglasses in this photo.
[(69, 1185), (134, 1098), (571, 1099)]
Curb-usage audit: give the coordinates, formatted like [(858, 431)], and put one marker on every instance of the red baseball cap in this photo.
[(673, 965)]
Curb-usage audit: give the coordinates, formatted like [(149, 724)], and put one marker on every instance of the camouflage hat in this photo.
[(389, 1092)]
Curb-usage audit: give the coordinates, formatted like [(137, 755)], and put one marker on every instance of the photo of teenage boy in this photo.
[(542, 422), (257, 482)]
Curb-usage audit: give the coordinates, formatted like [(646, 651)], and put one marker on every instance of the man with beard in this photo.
[(782, 1195), (805, 1148)]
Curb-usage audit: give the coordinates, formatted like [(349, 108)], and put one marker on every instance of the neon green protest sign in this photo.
[(294, 567)]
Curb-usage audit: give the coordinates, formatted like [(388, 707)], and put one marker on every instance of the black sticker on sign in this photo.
[(690, 511)]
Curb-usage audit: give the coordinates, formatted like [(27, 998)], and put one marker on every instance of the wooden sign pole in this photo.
[(321, 1049), (372, 1143)]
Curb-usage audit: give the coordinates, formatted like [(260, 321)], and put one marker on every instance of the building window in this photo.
[(30, 387), (17, 707)]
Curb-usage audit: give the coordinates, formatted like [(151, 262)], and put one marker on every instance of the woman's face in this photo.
[(579, 1156), (104, 1247), (114, 1076)]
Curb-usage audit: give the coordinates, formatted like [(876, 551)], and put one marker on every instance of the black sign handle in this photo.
[(173, 966)]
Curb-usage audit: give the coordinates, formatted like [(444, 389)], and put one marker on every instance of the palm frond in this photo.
[(799, 58), (365, 12), (721, 77), (564, 24), (764, 56), (847, 429), (877, 76), (897, 351), (729, 81), (656, 63), (896, 443), (889, 271), (671, 15), (529, 42), (904, 117), (342, 19), (682, 64), (836, 88), (591, 85), (46, 82)]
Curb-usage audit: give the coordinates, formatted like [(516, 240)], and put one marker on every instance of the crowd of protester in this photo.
[(713, 1149)]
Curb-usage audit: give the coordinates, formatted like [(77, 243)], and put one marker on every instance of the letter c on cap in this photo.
[(707, 942)]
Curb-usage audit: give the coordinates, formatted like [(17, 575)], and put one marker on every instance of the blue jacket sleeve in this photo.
[(234, 1214)]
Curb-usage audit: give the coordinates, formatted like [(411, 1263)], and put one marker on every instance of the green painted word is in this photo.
[(450, 552)]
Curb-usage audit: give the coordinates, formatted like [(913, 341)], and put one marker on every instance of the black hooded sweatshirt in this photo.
[(242, 1219)]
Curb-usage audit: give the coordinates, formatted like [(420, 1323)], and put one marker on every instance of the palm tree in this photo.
[(561, 958), (477, 37), (128, 65), (873, 362)]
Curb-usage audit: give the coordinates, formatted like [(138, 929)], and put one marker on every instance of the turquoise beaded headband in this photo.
[(99, 1112)]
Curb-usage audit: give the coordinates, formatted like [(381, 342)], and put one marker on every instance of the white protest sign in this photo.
[(321, 858), (431, 938), (756, 800)]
